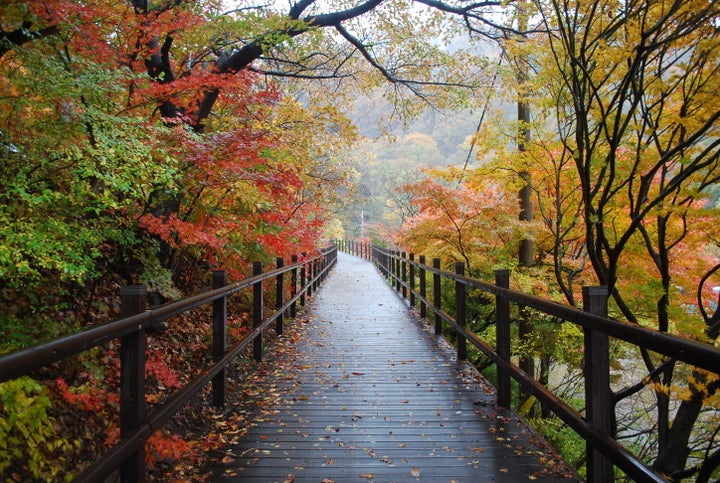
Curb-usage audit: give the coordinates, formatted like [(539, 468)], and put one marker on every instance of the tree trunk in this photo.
[(673, 457), (675, 452)]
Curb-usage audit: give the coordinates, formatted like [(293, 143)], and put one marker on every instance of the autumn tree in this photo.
[(639, 117), (624, 166), (473, 223), (142, 139)]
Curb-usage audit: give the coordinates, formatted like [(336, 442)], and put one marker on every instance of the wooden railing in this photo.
[(354, 247), (410, 276), (136, 426)]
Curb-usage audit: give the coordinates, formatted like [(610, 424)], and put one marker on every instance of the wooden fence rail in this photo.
[(603, 451), (136, 426), (354, 247)]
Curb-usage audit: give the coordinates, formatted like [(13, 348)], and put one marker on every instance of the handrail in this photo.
[(597, 327), (128, 454), (686, 350), (18, 363)]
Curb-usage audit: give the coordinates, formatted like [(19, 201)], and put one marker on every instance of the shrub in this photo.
[(28, 440)]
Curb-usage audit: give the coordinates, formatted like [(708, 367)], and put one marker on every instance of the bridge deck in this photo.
[(369, 393)]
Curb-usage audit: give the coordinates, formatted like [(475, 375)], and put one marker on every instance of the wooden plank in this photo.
[(371, 393)]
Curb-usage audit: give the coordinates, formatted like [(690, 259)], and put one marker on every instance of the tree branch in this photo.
[(298, 25), (629, 391), (23, 35)]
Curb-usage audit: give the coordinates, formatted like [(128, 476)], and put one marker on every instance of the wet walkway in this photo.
[(370, 394)]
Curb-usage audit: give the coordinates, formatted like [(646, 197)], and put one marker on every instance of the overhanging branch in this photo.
[(23, 35)]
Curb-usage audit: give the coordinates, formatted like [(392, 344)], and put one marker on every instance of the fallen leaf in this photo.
[(228, 459), (290, 478), (415, 471)]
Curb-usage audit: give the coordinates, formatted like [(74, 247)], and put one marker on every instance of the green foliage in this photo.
[(28, 440), (562, 341), (13, 333), (154, 276), (16, 333), (561, 437)]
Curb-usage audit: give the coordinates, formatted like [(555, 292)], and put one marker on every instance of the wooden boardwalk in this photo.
[(369, 393)]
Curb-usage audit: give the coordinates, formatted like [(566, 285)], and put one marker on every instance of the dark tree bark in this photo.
[(23, 35)]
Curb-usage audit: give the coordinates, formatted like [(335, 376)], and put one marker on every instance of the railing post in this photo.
[(460, 309), (303, 281), (403, 274), (219, 387), (322, 263), (423, 289), (315, 272), (391, 264), (293, 287), (502, 338), (398, 271), (437, 297), (598, 396), (258, 315), (309, 271), (132, 381), (412, 280), (279, 295)]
